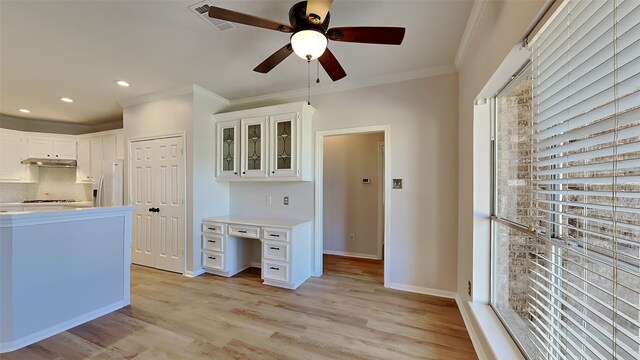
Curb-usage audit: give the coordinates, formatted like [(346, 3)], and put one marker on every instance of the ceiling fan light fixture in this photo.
[(309, 44)]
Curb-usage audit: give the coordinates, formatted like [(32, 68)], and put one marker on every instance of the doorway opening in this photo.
[(352, 181)]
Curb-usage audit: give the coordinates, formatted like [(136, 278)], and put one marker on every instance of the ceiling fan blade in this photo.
[(275, 59), (238, 17), (318, 7), (331, 65), (368, 35)]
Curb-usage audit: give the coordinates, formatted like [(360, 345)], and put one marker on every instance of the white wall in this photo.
[(501, 26), (189, 113), (422, 114), (351, 207)]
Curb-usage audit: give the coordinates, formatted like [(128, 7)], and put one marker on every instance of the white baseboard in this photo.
[(58, 328), (350, 254), (471, 329), (423, 290), (194, 273), (256, 265)]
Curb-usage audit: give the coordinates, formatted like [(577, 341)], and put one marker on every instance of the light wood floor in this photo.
[(346, 314)]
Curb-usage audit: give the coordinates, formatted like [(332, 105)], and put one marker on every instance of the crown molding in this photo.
[(469, 31), (165, 94), (348, 85)]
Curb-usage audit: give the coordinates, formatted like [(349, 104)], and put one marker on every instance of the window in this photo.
[(566, 224)]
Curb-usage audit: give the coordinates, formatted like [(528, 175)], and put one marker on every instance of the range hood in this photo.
[(48, 162)]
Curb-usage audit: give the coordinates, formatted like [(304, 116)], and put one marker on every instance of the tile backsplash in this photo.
[(55, 183)]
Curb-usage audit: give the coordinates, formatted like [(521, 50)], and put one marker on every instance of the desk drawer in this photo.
[(213, 260), (246, 231), (276, 234), (213, 242), (275, 251), (275, 271), (213, 228)]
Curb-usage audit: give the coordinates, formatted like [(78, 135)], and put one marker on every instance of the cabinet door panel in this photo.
[(109, 149), (83, 171), (96, 160), (228, 156), (254, 136), (39, 147), (64, 149), (10, 157), (120, 147), (284, 145)]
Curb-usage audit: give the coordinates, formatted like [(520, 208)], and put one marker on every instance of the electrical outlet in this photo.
[(469, 287), (286, 200), (352, 237)]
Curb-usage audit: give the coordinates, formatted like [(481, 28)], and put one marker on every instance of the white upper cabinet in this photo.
[(120, 146), (228, 162), (51, 148), (83, 171), (275, 144), (254, 149), (13, 149)]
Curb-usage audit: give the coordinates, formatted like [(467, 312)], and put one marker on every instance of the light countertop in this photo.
[(242, 220)]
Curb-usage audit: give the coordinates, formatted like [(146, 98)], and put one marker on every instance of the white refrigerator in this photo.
[(111, 185)]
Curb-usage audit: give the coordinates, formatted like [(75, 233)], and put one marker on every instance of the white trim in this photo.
[(185, 202), (165, 94), (380, 225), (350, 254), (290, 95), (61, 327), (423, 290), (194, 273), (319, 193), (469, 31), (101, 133), (471, 329)]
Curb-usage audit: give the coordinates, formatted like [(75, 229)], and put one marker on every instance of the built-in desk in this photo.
[(285, 248)]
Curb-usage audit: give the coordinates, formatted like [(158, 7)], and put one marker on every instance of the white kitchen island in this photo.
[(59, 269)]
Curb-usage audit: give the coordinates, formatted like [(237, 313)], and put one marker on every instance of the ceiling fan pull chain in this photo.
[(308, 82), (318, 72)]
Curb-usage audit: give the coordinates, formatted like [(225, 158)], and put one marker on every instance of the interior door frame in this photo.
[(319, 193), (182, 135)]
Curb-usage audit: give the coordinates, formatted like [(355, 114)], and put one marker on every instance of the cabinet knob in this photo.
[(235, 173), (244, 172), (56, 155), (48, 155), (273, 172)]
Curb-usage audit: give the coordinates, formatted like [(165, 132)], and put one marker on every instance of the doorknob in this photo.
[(150, 209), (154, 210)]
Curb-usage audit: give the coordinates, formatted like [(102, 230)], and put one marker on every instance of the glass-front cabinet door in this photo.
[(284, 145), (254, 146), (228, 149)]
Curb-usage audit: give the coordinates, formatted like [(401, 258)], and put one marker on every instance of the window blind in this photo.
[(584, 267)]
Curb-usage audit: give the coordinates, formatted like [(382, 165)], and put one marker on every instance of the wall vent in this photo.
[(201, 9)]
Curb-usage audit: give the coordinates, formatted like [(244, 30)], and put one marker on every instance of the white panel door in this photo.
[(158, 183), (39, 147), (169, 201), (142, 197), (64, 149), (83, 171), (284, 145), (254, 147), (96, 160)]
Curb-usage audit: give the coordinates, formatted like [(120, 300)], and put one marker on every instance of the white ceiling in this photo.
[(50, 49)]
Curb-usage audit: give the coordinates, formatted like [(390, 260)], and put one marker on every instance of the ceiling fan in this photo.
[(310, 34)]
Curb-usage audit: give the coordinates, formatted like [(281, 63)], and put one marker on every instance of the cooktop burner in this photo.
[(47, 201)]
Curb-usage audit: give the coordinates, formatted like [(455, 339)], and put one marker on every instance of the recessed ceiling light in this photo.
[(66, 99), (122, 83), (23, 110)]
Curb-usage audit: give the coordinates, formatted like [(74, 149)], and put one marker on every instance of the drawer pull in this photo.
[(274, 268), (212, 241), (274, 235), (242, 231), (212, 229), (274, 248), (212, 258)]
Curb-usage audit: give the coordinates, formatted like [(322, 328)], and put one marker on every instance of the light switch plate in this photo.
[(286, 200), (397, 183)]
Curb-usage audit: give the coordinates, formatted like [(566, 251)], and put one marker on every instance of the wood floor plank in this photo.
[(345, 314)]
